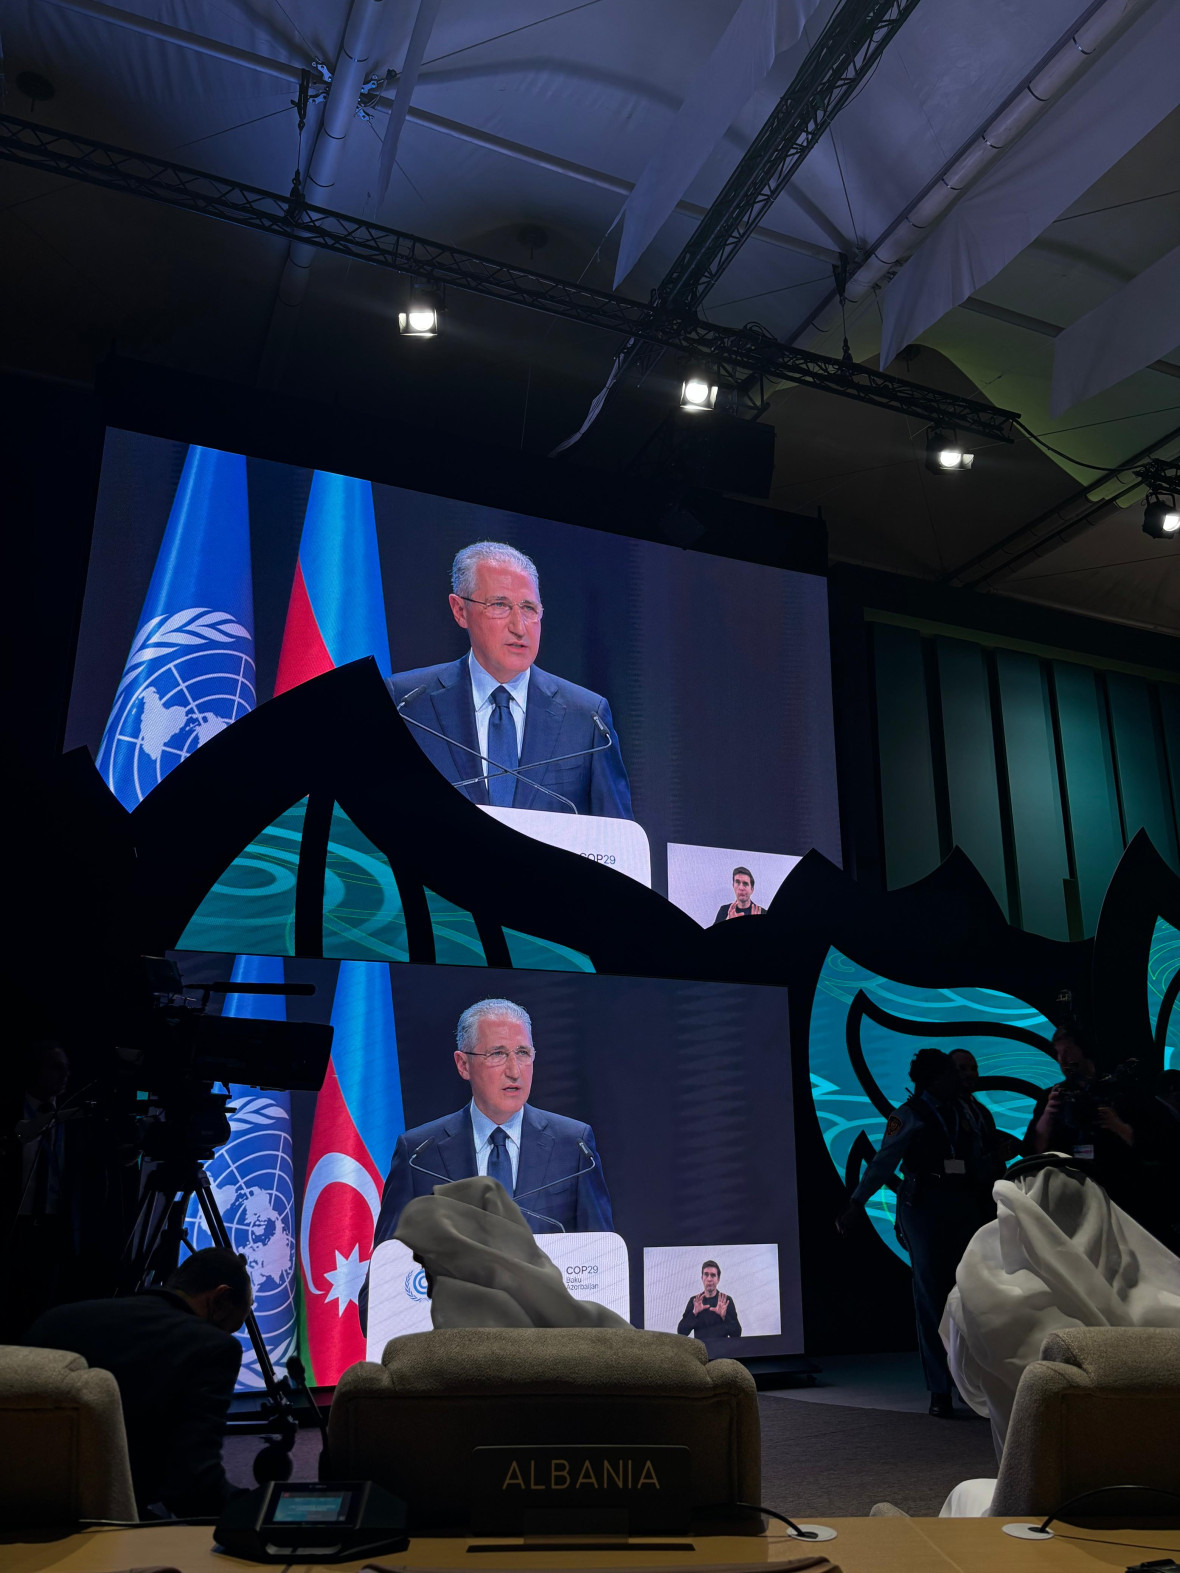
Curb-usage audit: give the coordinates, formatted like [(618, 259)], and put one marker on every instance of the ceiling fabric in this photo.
[(1136, 325), (546, 115), (1122, 97), (760, 30)]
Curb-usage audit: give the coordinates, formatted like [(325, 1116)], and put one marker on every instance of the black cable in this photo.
[(142, 1523), (1082, 1496), (1099, 469), (769, 1512), (495, 39)]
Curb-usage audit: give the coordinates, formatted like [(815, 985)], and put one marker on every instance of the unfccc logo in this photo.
[(416, 1289)]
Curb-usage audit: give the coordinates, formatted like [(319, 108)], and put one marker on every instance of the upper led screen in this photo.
[(666, 712)]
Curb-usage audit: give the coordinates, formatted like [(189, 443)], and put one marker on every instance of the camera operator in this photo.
[(174, 1356), (1092, 1118)]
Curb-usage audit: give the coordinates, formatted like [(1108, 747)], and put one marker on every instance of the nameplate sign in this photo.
[(580, 1490)]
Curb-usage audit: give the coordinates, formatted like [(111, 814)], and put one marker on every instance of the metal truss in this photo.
[(738, 353), (845, 53)]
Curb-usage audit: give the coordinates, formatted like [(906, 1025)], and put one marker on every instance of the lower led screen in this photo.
[(682, 1092)]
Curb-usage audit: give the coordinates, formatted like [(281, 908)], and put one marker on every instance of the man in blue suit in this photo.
[(547, 1162), (497, 703)]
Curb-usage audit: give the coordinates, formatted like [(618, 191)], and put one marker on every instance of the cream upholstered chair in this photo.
[(63, 1451), (410, 1423), (1101, 1407)]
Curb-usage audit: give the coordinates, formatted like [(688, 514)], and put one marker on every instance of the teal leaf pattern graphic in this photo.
[(1163, 983), (865, 1029)]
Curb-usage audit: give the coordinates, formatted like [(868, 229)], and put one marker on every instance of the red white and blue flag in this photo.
[(358, 1119), (336, 613)]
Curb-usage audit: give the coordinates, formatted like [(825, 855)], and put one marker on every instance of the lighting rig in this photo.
[(736, 354), (1161, 517), (945, 454)]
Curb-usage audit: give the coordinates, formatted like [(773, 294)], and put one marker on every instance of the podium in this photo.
[(594, 1266), (615, 843)]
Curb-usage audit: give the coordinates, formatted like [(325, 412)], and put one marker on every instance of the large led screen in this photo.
[(664, 711), (658, 1136)]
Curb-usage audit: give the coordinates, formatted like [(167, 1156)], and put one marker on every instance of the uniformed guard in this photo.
[(950, 1156)]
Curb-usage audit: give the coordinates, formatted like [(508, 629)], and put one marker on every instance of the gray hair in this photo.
[(496, 552), (468, 1029)]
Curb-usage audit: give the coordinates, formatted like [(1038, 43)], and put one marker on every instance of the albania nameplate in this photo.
[(580, 1490)]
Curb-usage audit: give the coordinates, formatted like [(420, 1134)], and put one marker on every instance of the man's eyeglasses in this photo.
[(529, 610), (498, 1058)]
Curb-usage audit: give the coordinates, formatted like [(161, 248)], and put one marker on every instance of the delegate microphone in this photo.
[(548, 1163), (493, 711)]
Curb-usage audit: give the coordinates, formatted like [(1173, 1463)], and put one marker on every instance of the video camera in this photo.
[(1081, 1101), (173, 1052)]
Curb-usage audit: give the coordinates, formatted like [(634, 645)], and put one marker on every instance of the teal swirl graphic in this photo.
[(865, 1029), (251, 908), (1163, 974)]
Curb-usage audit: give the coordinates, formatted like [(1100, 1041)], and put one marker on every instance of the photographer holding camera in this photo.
[(1091, 1118)]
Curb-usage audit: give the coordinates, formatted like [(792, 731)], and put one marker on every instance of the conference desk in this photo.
[(862, 1545)]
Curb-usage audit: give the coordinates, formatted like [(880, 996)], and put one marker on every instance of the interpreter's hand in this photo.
[(1111, 1122), (849, 1218), (698, 1305), (722, 1304)]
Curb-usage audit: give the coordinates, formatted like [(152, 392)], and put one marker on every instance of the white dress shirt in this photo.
[(482, 685), (482, 1128)]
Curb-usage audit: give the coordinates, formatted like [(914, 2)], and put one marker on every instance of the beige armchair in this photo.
[(1100, 1407), (63, 1451), (410, 1423)]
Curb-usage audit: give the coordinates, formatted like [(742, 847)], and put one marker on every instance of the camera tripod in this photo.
[(154, 1244)]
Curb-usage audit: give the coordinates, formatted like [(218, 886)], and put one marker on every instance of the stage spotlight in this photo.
[(1161, 520), (420, 320), (697, 392), (945, 454)]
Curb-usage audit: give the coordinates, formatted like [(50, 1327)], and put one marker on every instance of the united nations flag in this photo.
[(253, 1187), (190, 670)]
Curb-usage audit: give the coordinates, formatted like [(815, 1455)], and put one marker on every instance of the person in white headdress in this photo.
[(1059, 1254)]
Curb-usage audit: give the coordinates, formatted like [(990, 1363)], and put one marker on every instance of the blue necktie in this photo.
[(499, 1163), (502, 750)]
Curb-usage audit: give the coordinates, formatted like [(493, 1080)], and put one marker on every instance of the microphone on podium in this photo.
[(537, 1189), (540, 764), (495, 768)]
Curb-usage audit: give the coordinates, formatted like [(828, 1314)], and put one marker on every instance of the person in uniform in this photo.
[(945, 1143)]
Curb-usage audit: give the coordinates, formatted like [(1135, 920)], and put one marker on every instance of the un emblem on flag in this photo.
[(188, 677), (253, 1188)]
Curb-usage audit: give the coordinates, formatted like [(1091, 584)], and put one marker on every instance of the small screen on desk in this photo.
[(311, 1507)]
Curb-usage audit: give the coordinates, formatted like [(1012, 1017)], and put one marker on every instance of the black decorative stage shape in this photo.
[(879, 973)]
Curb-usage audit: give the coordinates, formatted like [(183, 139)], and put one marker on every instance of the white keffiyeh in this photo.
[(1059, 1254)]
